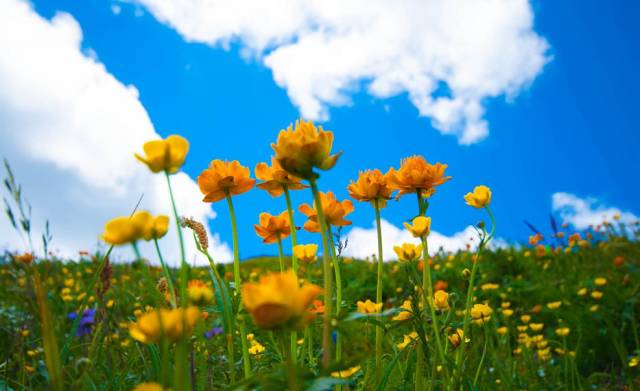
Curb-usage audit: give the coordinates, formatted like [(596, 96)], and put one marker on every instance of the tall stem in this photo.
[(379, 283), (294, 263), (328, 278), (246, 364), (336, 269), (280, 254), (167, 274)]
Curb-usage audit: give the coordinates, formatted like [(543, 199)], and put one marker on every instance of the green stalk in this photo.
[(280, 255), (336, 267), (428, 285), (294, 263), (50, 344), (484, 353), (167, 274), (181, 380), (328, 280), (379, 283), (246, 364)]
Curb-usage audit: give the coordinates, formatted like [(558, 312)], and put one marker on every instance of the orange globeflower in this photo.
[(224, 178), (417, 175), (278, 300), (273, 228), (334, 212), (304, 148), (371, 185), (165, 155), (276, 178)]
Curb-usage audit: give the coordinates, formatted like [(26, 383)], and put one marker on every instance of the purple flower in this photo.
[(214, 331), (85, 325)]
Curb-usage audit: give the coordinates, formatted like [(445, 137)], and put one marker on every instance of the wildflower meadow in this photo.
[(560, 313)]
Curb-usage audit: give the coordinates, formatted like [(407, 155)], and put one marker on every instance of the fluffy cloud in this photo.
[(585, 212), (363, 242), (448, 56), (70, 129)]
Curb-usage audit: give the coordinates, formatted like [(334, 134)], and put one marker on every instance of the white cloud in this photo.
[(363, 242), (320, 51), (585, 212), (70, 129)]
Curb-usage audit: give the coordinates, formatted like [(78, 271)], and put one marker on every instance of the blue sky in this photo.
[(571, 129)]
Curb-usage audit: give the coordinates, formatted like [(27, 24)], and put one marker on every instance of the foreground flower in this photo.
[(420, 228), (273, 228), (480, 198), (406, 311), (166, 323), (165, 155), (441, 300), (408, 252), (155, 227), (276, 179), (417, 175), (278, 300), (301, 149), (224, 178), (199, 293), (126, 229), (306, 252), (371, 185), (334, 212), (369, 307), (481, 313)]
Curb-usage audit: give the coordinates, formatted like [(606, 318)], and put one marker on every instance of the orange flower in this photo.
[(273, 228), (278, 300), (276, 178), (224, 178), (25, 258), (371, 185), (304, 148), (417, 175), (334, 212)]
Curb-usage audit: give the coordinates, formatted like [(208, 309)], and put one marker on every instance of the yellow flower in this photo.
[(582, 291), (420, 228), (278, 300), (634, 362), (480, 198), (596, 295), (150, 387), (600, 281), (165, 322), (346, 373), (304, 148), (368, 307), (554, 305), (536, 326), (306, 252), (408, 339), (25, 258), (408, 252), (525, 318), (562, 331), (155, 227), (507, 312), (224, 178), (416, 175), (256, 348), (199, 293), (456, 337), (334, 212), (371, 185), (594, 308), (407, 310), (119, 231), (441, 300), (480, 313), (165, 155), (502, 330), (273, 228), (276, 179)]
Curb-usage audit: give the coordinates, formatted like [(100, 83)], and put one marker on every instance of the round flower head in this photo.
[(408, 252), (126, 229), (165, 155), (334, 212), (481, 313), (155, 227), (480, 198), (301, 149), (369, 307), (305, 252), (25, 258), (417, 175), (278, 300), (224, 178), (371, 185), (199, 293), (169, 323), (563, 331), (150, 387), (273, 228), (421, 227), (276, 179), (441, 300)]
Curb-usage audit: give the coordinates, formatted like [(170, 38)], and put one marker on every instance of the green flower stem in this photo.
[(484, 353), (280, 254), (336, 267), (376, 204), (309, 329), (294, 263), (427, 285), (236, 281), (328, 278), (167, 274), (292, 376)]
